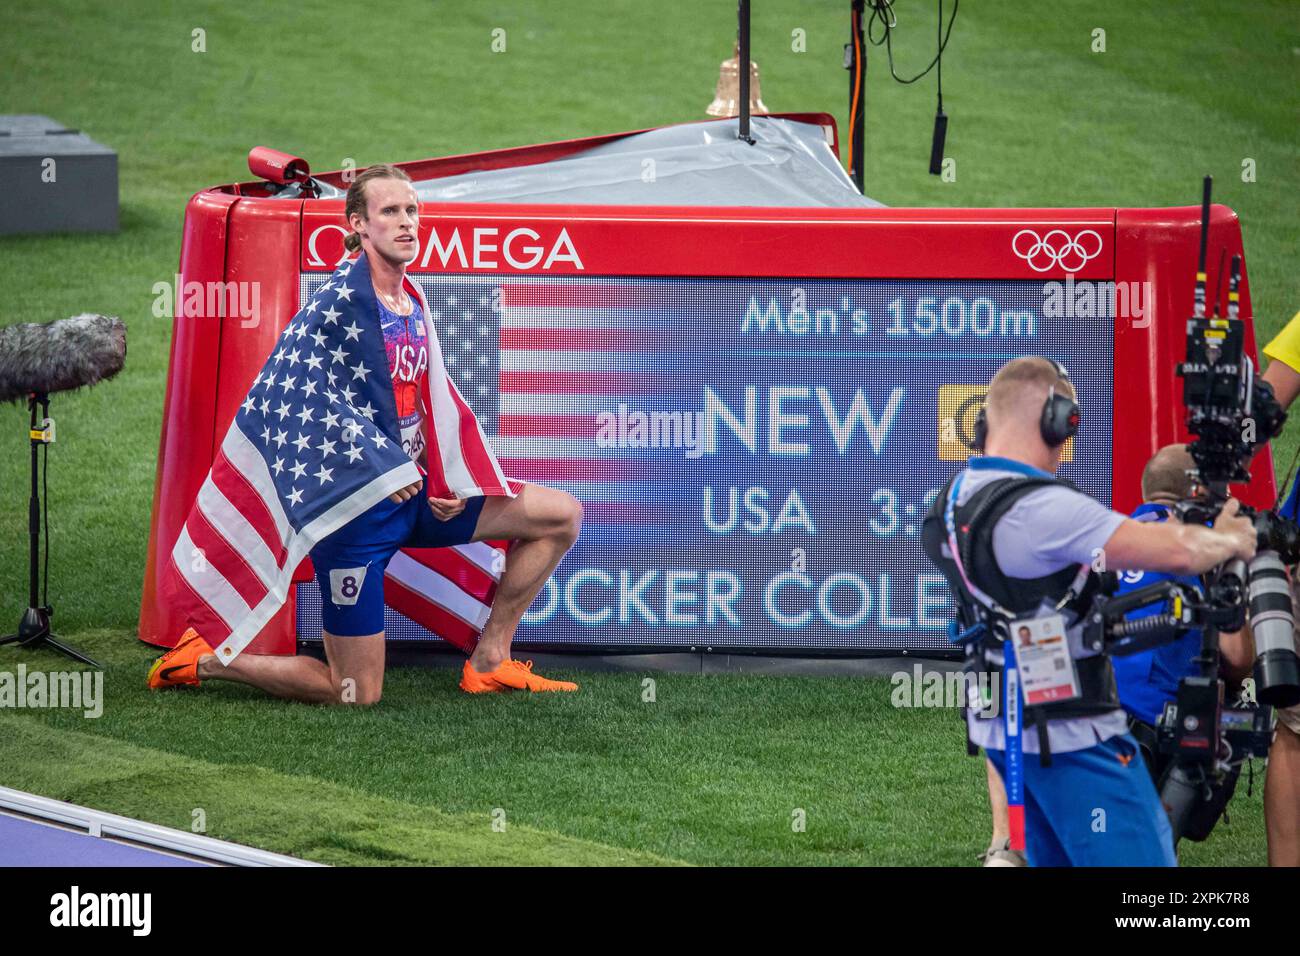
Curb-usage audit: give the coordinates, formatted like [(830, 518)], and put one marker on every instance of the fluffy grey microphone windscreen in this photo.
[(61, 355)]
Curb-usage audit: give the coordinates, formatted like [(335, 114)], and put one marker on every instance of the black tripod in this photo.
[(34, 629)]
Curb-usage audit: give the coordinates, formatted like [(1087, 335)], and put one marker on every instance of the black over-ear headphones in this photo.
[(1058, 423)]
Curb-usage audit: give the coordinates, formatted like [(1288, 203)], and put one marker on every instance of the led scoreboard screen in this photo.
[(754, 455)]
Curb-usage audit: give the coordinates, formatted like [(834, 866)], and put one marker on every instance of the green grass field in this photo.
[(712, 771)]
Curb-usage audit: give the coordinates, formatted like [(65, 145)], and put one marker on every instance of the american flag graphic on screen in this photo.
[(538, 362)]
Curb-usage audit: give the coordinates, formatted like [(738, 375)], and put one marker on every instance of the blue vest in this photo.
[(1147, 679)]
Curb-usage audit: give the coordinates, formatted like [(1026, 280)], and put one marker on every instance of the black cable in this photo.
[(940, 120), (883, 10), (938, 57), (856, 91)]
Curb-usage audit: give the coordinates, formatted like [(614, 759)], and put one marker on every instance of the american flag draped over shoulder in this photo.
[(315, 444)]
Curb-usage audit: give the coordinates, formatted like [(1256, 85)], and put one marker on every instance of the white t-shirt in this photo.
[(1045, 531)]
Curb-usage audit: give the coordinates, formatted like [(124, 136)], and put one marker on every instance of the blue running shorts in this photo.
[(350, 563)]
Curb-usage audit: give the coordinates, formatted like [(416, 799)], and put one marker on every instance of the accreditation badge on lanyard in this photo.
[(1038, 669), (1047, 672)]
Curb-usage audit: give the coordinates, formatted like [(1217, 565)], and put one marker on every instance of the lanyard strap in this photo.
[(1015, 776), (1011, 712)]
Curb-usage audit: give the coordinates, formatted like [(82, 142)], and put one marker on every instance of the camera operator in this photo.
[(1149, 678), (1282, 783), (1017, 546)]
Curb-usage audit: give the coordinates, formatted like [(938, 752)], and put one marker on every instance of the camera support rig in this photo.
[(1232, 414)]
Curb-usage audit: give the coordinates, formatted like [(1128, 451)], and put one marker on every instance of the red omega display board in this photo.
[(819, 368)]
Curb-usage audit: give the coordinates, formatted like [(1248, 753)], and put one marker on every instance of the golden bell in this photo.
[(726, 100)]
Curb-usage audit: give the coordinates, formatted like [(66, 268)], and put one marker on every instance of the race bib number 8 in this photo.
[(345, 585)]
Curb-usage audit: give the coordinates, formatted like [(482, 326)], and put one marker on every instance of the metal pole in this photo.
[(34, 519), (857, 94), (743, 16)]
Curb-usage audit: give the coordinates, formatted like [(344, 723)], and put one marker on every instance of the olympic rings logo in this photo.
[(1056, 250)]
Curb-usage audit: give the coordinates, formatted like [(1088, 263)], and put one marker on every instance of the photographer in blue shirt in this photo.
[(1147, 679), (1018, 547)]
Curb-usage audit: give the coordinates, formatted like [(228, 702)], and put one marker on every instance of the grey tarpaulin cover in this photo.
[(696, 164)]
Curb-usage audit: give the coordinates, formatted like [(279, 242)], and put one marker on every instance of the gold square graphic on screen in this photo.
[(958, 405)]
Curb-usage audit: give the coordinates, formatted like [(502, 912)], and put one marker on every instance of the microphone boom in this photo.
[(60, 356)]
